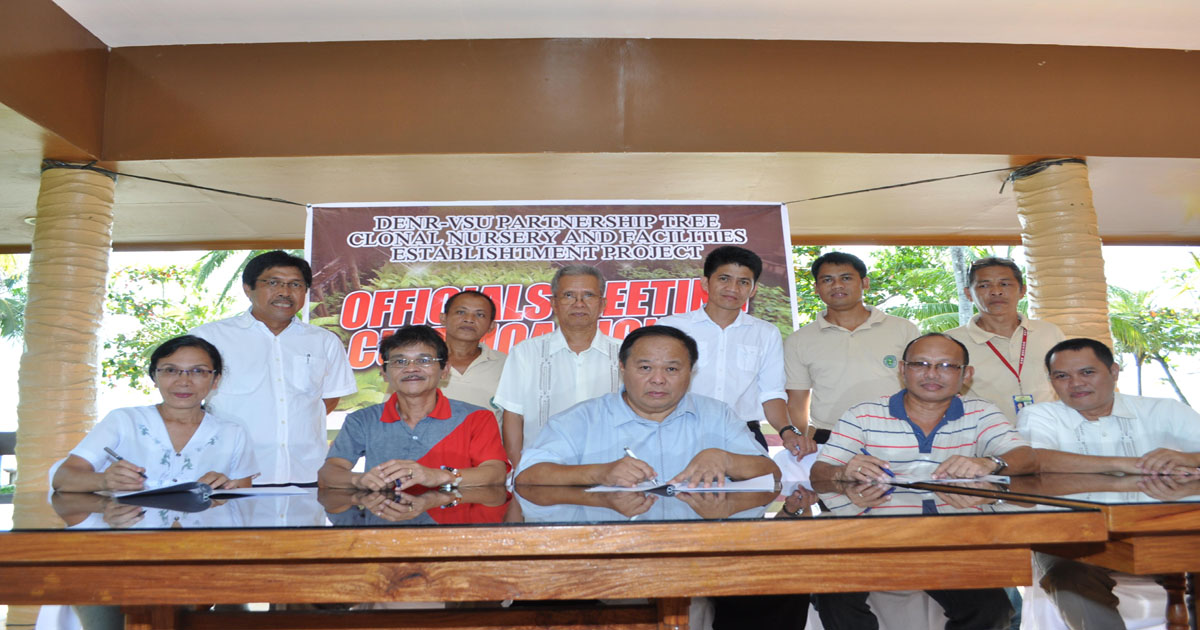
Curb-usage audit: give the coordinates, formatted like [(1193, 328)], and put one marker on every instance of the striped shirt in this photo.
[(971, 427)]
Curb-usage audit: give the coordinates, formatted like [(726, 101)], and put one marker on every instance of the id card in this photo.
[(1022, 400)]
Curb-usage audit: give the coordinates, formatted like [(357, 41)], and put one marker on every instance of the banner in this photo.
[(377, 267)]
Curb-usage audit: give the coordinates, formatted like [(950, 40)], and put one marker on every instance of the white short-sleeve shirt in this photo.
[(139, 435), (1136, 426), (275, 386), (542, 377), (845, 367), (740, 365)]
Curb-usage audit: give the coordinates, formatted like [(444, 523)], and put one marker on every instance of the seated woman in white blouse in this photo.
[(172, 442)]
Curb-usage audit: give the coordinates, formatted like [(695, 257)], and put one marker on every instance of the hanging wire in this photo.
[(1015, 173), (91, 166)]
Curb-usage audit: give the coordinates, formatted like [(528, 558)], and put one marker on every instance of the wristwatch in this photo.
[(791, 428), (1000, 464), (457, 477)]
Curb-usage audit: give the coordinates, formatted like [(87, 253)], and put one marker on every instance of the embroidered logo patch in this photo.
[(890, 361)]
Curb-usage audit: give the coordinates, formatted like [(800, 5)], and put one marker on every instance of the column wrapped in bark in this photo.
[(68, 271), (1062, 248)]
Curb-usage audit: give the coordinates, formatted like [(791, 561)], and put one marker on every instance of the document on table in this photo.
[(765, 483), (207, 491), (908, 479)]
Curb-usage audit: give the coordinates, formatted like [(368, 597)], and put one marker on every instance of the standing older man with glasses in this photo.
[(1007, 346), (418, 437), (925, 430), (283, 376), (549, 373)]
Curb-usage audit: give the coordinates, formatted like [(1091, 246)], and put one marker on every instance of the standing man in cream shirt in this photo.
[(474, 367), (549, 373), (1007, 348), (849, 354)]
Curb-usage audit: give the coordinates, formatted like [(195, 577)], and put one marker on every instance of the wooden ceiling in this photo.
[(538, 119)]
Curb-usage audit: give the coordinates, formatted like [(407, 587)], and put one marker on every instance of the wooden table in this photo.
[(1145, 536), (666, 562)]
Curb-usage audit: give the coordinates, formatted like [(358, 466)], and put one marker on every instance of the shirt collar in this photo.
[(874, 316), (622, 413), (979, 335), (248, 320), (441, 409), (558, 342), (896, 407), (1121, 407)]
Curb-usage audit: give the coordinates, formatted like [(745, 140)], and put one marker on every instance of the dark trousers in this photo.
[(760, 612), (754, 428), (968, 609)]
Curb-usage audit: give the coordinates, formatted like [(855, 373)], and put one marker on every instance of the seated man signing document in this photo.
[(653, 429), (926, 429)]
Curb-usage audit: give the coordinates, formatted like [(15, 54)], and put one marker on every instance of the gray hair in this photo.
[(576, 270)]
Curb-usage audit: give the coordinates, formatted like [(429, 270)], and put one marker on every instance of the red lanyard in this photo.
[(1020, 363)]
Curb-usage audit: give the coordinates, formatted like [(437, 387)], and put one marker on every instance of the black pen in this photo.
[(113, 454)]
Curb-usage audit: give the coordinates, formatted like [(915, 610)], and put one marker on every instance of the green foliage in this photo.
[(165, 304), (372, 389), (12, 298), (1152, 333), (215, 260), (914, 282)]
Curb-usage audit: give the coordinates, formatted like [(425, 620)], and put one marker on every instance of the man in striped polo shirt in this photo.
[(925, 430)]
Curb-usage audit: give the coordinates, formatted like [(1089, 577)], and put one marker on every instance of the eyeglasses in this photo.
[(291, 284), (400, 362), (194, 373), (571, 296), (940, 368)]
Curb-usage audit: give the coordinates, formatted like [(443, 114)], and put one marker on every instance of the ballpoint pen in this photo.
[(629, 453), (113, 454), (887, 471)]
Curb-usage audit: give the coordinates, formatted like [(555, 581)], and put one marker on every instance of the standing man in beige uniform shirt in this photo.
[(1006, 348), (474, 367), (848, 355)]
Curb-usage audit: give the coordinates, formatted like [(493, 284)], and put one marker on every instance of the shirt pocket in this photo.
[(748, 357), (306, 374)]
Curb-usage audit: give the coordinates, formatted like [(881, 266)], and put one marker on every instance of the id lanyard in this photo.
[(1020, 362)]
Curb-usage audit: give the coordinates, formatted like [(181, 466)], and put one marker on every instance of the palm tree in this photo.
[(1147, 332), (210, 263)]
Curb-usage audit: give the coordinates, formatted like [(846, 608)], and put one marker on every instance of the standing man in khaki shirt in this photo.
[(474, 367), (1006, 348), (848, 355)]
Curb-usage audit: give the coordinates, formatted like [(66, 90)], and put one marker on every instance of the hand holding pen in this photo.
[(122, 476), (627, 471), (866, 467)]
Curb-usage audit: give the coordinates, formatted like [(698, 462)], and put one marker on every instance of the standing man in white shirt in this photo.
[(848, 354), (283, 376), (549, 373), (1093, 429), (741, 356), (1007, 347), (474, 367)]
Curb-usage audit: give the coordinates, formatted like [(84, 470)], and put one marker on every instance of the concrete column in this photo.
[(1062, 248)]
